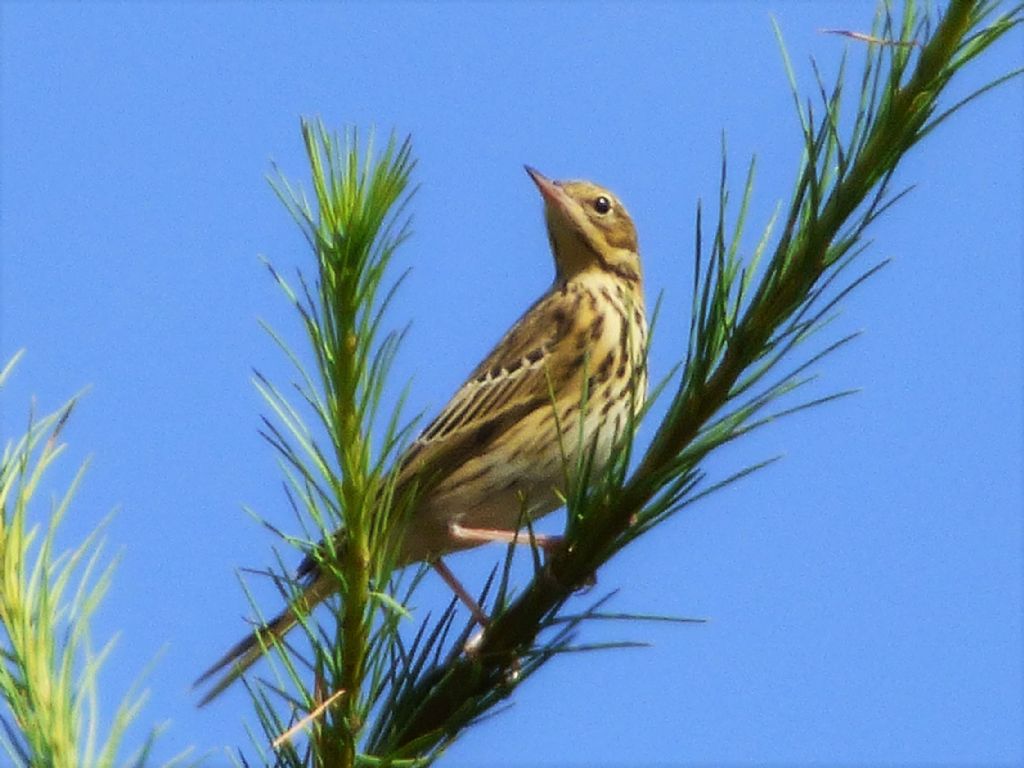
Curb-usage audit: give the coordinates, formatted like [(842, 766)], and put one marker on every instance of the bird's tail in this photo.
[(250, 648)]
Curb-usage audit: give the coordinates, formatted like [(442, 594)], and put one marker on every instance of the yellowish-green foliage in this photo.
[(49, 669)]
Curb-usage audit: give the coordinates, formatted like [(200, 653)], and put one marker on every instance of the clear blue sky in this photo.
[(864, 594)]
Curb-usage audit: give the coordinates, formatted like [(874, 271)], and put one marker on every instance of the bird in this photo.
[(570, 375)]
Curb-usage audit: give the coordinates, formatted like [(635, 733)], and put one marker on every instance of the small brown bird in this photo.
[(512, 430)]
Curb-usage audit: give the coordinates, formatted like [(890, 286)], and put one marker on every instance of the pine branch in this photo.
[(340, 487)]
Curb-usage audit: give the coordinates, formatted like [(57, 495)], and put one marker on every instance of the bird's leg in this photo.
[(481, 618), (484, 535), (550, 544), (460, 592), (472, 646), (547, 542)]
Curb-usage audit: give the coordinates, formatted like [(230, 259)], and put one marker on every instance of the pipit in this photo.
[(567, 377)]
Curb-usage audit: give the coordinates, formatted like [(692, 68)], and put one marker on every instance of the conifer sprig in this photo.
[(337, 479), (49, 668)]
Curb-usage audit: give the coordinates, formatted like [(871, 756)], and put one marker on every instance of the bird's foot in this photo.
[(548, 543)]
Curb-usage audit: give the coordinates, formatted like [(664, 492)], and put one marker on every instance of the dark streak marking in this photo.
[(478, 475), (498, 368), (484, 433)]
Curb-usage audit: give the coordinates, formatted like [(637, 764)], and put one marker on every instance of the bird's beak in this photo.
[(551, 191)]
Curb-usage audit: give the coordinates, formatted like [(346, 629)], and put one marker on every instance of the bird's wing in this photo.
[(512, 381)]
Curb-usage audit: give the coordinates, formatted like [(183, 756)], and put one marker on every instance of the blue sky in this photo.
[(863, 594)]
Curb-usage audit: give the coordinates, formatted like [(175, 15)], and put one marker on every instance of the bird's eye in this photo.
[(602, 204)]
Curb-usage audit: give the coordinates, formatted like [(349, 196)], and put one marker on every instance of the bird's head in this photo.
[(589, 229)]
